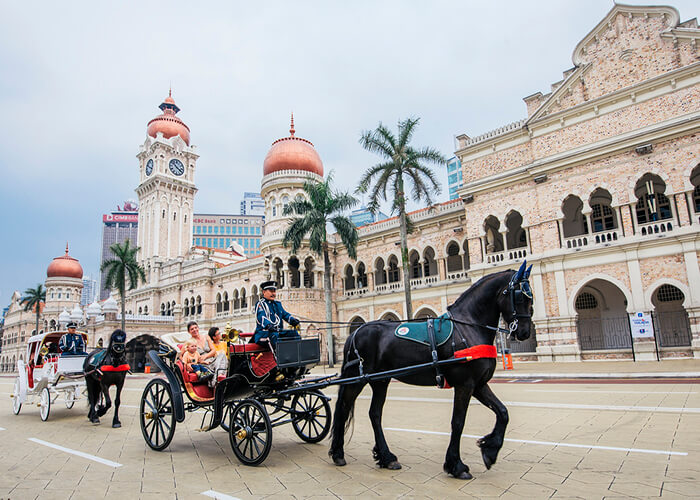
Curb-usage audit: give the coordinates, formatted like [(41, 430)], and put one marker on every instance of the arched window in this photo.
[(349, 278), (162, 309), (236, 301), (308, 271), (294, 274), (424, 313), (586, 301), (140, 310), (187, 307), (574, 223), (389, 317), (429, 262), (454, 261), (652, 203), (254, 295), (145, 310), (414, 265), (380, 277), (226, 303), (695, 181), (394, 272), (199, 304), (285, 203), (273, 204), (244, 302), (361, 275), (602, 214), (355, 323), (516, 235), (278, 273), (494, 239), (219, 305)]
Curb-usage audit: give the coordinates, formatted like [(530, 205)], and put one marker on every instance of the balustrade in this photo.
[(655, 228)]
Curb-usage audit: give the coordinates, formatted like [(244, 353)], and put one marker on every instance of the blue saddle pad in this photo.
[(417, 331)]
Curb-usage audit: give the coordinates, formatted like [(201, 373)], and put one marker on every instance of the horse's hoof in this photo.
[(464, 475), (393, 465), (117, 425), (95, 421), (340, 461)]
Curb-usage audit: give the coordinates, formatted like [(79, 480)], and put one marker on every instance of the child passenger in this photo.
[(191, 359)]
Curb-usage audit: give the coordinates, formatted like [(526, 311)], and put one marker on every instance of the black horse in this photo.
[(103, 369), (374, 348)]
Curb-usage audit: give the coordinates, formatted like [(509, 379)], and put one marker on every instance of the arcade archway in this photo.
[(137, 349)]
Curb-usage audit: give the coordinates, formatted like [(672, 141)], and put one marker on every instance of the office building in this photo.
[(117, 227), (220, 230), (252, 204)]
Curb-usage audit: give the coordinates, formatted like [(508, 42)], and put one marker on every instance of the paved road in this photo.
[(586, 440)]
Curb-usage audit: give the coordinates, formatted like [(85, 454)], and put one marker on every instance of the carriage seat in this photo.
[(197, 390)]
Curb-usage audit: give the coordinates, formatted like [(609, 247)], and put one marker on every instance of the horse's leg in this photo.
[(491, 444), (382, 455), (108, 402), (94, 389), (453, 463), (117, 402), (344, 407)]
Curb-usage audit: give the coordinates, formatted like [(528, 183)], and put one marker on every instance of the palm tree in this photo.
[(122, 265), (33, 297), (401, 162), (323, 206)]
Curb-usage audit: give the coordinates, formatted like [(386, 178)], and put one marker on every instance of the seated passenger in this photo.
[(219, 365), (269, 314), (192, 360), (72, 342)]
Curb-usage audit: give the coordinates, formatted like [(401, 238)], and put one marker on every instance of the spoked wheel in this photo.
[(226, 417), (250, 432), (69, 399), (156, 414), (45, 404), (16, 405), (311, 416)]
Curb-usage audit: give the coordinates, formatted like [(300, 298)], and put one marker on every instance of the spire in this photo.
[(66, 248), (291, 127)]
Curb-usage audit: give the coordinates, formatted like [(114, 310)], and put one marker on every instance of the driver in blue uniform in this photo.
[(72, 342), (269, 315)]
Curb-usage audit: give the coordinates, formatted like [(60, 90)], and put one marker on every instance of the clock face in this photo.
[(176, 167), (149, 167)]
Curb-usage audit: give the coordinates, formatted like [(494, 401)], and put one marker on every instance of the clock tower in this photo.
[(166, 188)]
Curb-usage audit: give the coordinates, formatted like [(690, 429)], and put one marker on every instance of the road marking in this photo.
[(565, 406), (217, 495), (613, 392), (76, 452), (552, 443), (2, 428)]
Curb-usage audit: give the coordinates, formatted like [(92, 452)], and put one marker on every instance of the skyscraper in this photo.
[(454, 176), (89, 293), (117, 227), (252, 204)]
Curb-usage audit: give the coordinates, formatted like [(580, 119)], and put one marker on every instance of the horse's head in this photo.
[(516, 303), (117, 342)]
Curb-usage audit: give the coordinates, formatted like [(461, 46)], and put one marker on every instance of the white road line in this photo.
[(217, 495), (565, 406), (76, 452), (612, 392), (2, 428), (535, 380), (552, 443)]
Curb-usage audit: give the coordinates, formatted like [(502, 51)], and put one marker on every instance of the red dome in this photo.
[(65, 267), (292, 153), (169, 124)]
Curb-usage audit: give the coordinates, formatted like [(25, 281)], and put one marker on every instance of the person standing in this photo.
[(269, 317)]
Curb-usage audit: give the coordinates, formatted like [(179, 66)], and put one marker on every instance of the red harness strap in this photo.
[(476, 352), (120, 368)]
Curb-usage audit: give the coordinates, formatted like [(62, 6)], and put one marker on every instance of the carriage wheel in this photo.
[(226, 417), (156, 414), (69, 399), (45, 404), (311, 416), (250, 432), (16, 404)]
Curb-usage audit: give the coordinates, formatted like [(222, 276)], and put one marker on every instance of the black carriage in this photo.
[(262, 389)]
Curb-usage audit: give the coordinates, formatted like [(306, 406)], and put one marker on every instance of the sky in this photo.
[(80, 81)]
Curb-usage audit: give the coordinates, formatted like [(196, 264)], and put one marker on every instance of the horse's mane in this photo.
[(476, 286)]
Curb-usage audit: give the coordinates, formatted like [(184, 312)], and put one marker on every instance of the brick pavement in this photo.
[(659, 418)]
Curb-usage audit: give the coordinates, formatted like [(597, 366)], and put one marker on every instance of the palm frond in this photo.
[(347, 232)]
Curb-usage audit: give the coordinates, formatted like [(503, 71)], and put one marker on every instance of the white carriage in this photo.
[(48, 374)]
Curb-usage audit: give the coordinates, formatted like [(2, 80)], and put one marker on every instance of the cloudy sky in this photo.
[(79, 82)]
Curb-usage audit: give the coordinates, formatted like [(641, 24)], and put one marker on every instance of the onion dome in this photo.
[(65, 267), (110, 305), (63, 318), (292, 153), (93, 309), (167, 123), (76, 314)]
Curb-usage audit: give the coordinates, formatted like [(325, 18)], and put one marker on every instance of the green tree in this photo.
[(324, 206), (121, 267), (401, 162), (33, 297)]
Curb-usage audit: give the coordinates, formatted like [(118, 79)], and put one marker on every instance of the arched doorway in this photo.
[(355, 323), (390, 316), (136, 350), (425, 313), (672, 323), (602, 321)]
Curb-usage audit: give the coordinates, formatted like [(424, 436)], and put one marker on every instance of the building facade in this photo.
[(220, 230), (454, 177), (252, 204), (598, 187), (362, 216), (117, 227)]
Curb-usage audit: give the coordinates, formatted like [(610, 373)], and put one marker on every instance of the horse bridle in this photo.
[(518, 290)]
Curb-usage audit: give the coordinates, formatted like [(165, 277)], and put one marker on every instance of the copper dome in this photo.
[(65, 267), (167, 123), (292, 153)]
